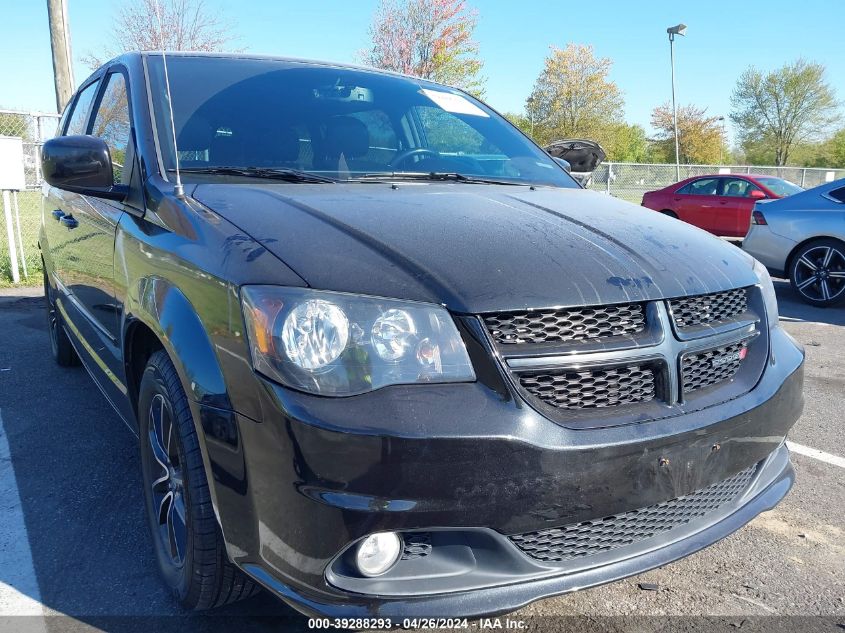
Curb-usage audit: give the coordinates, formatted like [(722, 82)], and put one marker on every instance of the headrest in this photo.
[(348, 136)]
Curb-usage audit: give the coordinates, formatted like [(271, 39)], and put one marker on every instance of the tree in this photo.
[(431, 39), (625, 143), (573, 96), (699, 136), (782, 108), (185, 25)]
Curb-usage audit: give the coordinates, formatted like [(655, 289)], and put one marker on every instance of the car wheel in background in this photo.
[(669, 213), (186, 537), (60, 345), (817, 272)]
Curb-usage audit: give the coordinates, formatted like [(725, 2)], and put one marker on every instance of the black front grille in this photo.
[(601, 535), (593, 388), (709, 367), (575, 324), (707, 309)]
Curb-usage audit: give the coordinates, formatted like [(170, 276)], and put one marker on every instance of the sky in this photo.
[(514, 37)]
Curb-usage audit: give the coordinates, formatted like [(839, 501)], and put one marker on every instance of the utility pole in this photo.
[(680, 29), (60, 43)]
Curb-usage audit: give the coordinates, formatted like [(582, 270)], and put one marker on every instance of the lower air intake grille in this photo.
[(575, 324), (715, 365), (706, 309), (590, 389), (601, 535)]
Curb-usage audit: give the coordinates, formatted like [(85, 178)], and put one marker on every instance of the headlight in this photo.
[(768, 290), (336, 344)]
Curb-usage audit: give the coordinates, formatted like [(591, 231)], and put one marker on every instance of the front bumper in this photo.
[(296, 489)]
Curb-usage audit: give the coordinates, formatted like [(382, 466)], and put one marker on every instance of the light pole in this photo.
[(679, 29), (721, 120)]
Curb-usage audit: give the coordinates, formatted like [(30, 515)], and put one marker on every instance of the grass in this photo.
[(29, 205)]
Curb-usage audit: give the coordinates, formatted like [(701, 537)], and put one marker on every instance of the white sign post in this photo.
[(12, 178)]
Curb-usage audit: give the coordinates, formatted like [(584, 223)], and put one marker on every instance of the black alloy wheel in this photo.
[(187, 540), (817, 272)]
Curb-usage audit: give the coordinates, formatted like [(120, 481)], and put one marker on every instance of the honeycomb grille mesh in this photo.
[(597, 388), (704, 309), (601, 535), (713, 366), (577, 324)]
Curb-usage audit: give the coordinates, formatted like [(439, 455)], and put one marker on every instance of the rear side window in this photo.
[(111, 123), (838, 194), (78, 123), (703, 187)]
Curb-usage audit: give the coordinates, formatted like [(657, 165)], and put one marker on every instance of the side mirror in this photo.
[(756, 194), (81, 164), (564, 163)]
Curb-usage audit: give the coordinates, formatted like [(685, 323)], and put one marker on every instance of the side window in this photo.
[(78, 123), (111, 123), (837, 194), (736, 188), (703, 187)]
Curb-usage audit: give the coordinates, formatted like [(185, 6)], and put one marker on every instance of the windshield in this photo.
[(338, 123), (779, 186)]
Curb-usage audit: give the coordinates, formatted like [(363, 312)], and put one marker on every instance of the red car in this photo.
[(720, 203)]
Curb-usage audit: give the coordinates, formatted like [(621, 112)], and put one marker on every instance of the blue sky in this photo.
[(514, 37)]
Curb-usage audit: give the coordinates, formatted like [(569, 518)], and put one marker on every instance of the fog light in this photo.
[(378, 552)]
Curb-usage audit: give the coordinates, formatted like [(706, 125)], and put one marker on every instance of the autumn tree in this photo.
[(573, 97), (168, 25), (700, 137), (431, 39), (783, 108)]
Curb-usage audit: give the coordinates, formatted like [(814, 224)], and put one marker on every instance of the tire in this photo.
[(817, 272), (670, 214), (187, 540), (60, 345)]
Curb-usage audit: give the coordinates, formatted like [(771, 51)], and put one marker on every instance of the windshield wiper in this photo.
[(433, 175), (288, 175)]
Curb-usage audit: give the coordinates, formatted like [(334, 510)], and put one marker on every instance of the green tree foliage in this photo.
[(776, 111), (432, 39), (700, 136), (574, 98)]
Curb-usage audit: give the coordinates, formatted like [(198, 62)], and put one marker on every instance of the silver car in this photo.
[(803, 237)]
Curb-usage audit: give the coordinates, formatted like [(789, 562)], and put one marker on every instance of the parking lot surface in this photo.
[(73, 540)]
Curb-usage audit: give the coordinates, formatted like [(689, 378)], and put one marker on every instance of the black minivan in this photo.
[(384, 356)]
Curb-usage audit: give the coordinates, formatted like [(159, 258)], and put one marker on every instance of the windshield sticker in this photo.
[(454, 103)]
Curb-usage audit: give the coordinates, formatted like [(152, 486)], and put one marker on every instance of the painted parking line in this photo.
[(815, 453), (19, 592)]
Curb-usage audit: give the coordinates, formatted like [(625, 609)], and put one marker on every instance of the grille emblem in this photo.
[(726, 359)]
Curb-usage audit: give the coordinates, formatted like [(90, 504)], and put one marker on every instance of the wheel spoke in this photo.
[(825, 290), (164, 508), (837, 274), (806, 282), (159, 453), (827, 257), (803, 260), (176, 528)]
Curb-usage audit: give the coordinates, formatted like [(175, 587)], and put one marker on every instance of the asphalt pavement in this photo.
[(73, 541)]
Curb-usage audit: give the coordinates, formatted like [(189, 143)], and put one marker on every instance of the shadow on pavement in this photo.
[(792, 308)]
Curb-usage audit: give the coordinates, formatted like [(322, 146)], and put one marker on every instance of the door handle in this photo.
[(69, 221), (723, 202), (58, 214)]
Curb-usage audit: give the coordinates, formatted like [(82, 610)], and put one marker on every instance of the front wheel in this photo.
[(188, 544), (817, 272)]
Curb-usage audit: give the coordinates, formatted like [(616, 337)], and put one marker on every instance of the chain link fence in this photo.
[(628, 181), (32, 128), (631, 180)]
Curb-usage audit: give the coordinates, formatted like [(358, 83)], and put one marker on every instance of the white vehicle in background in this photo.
[(802, 237)]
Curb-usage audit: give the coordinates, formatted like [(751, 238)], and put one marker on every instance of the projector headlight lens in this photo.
[(337, 344)]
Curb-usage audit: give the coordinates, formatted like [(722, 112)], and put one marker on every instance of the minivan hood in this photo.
[(479, 248)]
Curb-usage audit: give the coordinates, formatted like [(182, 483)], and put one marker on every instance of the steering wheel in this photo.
[(408, 153)]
